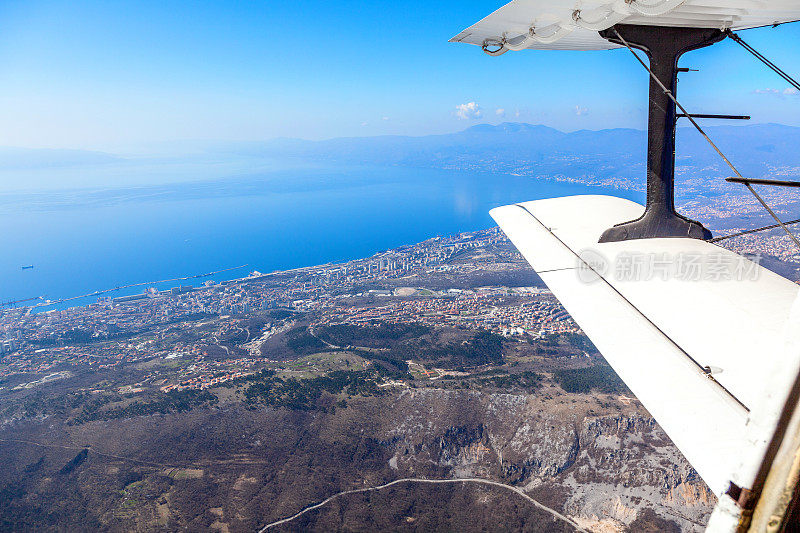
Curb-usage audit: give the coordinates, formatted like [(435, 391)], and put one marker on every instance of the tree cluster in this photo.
[(305, 394), (600, 378)]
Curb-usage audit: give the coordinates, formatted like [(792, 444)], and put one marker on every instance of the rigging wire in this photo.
[(763, 59), (749, 231), (705, 136), (771, 212)]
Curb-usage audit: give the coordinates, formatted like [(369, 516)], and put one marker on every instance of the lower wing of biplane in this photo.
[(708, 340)]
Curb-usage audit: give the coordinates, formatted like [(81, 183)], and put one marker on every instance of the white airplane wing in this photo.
[(702, 336), (573, 25)]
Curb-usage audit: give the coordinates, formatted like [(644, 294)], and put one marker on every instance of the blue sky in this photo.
[(101, 75)]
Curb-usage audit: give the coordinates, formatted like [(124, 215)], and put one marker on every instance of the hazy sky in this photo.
[(102, 74)]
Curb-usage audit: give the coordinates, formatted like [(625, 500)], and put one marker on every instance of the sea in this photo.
[(83, 239)]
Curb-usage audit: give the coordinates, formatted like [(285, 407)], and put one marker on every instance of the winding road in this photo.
[(541, 506)]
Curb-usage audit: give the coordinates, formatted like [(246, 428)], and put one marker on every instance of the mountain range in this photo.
[(598, 156), (537, 150)]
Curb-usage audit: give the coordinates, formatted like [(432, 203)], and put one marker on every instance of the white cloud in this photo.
[(789, 91), (469, 110), (580, 111), (517, 113), (500, 112)]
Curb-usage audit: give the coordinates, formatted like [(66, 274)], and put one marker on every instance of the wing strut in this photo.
[(664, 46)]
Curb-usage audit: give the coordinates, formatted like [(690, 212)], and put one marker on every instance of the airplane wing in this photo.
[(571, 25), (706, 339)]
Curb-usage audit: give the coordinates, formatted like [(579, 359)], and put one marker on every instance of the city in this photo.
[(437, 283), (128, 329)]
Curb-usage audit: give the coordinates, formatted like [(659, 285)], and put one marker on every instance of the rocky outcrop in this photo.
[(604, 466)]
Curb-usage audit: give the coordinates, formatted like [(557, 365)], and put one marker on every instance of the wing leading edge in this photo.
[(698, 333)]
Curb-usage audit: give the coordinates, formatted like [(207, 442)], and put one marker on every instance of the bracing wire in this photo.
[(749, 231), (771, 212), (738, 40), (705, 136)]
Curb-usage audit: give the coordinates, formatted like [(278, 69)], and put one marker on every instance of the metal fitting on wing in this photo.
[(611, 17), (494, 47)]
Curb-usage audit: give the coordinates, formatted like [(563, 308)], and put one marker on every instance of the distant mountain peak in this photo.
[(511, 127)]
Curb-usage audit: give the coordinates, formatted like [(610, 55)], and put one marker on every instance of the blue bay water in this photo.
[(84, 240)]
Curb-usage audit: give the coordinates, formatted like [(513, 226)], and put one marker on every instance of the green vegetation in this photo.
[(79, 336), (483, 348), (391, 363), (579, 341), (73, 336), (307, 394), (389, 338), (379, 335), (170, 402), (601, 378), (561, 345), (42, 404), (302, 342), (280, 314)]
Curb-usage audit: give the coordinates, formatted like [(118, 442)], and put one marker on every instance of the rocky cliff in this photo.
[(602, 465)]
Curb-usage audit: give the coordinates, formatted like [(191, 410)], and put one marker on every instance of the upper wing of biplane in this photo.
[(706, 339), (573, 25)]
